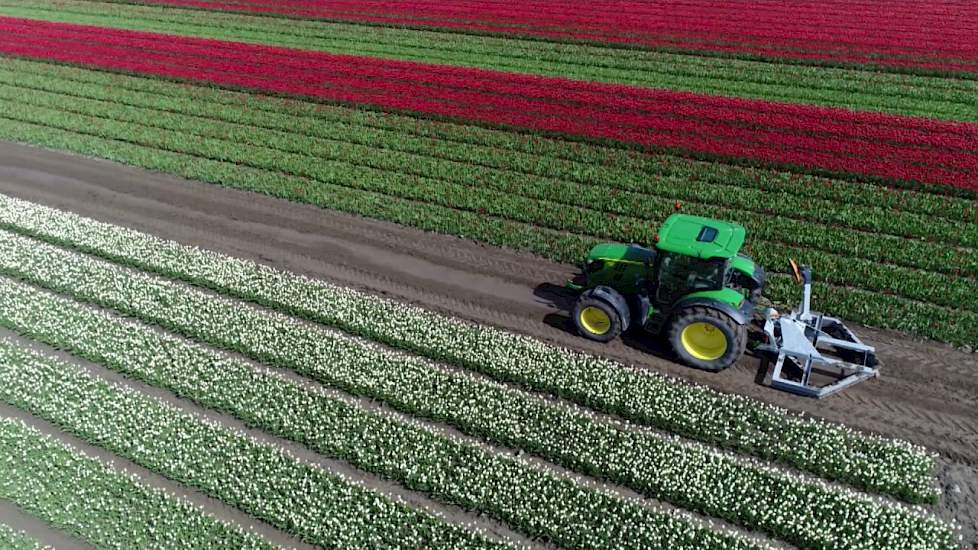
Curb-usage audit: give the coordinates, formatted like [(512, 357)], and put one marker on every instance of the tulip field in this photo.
[(157, 393), (222, 333), (851, 33), (867, 173)]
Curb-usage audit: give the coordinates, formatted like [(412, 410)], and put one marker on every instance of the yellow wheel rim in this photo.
[(704, 341), (595, 320)]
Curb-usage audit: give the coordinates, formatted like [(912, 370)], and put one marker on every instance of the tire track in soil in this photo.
[(927, 392)]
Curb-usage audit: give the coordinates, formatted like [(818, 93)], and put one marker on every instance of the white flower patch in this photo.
[(830, 450), (667, 468), (14, 539), (104, 506), (527, 497), (259, 478)]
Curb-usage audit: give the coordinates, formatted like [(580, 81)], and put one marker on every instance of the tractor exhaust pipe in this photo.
[(806, 301), (803, 275)]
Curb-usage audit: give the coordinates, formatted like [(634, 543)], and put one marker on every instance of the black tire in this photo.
[(734, 333), (587, 301)]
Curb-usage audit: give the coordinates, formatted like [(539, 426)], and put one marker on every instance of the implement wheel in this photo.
[(596, 319), (707, 338)]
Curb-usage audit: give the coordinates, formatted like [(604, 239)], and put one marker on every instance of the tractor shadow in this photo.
[(562, 299)]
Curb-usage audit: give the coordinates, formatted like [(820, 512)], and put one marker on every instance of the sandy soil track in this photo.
[(928, 392)]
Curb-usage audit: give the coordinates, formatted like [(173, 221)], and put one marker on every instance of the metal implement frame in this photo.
[(798, 338)]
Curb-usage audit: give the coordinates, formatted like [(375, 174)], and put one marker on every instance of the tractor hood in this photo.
[(615, 252)]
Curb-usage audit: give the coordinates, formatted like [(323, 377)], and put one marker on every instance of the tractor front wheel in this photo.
[(596, 319), (707, 338)]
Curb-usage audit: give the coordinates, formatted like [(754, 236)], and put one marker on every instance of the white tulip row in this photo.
[(95, 502), (540, 503), (13, 539), (690, 475), (256, 477), (830, 450)]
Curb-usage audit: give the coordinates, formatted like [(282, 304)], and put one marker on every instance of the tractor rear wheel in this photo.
[(707, 338), (596, 319)]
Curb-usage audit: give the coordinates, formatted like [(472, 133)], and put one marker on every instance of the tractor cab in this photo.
[(694, 282)]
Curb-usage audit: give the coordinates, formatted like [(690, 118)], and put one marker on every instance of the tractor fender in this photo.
[(732, 312), (615, 300)]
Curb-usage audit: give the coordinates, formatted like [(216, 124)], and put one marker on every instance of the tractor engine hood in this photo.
[(616, 252)]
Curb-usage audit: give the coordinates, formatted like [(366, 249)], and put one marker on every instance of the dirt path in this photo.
[(927, 393)]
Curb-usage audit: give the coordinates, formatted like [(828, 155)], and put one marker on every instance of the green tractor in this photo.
[(694, 287)]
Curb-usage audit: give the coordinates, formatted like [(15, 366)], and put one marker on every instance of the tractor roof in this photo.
[(700, 237)]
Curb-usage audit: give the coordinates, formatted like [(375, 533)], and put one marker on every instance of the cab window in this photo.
[(680, 275)]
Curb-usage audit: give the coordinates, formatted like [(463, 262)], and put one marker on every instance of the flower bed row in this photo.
[(803, 512), (833, 33), (870, 308), (530, 200), (531, 499), (13, 539), (901, 149), (735, 422), (851, 89), (608, 100), (256, 477), (95, 502)]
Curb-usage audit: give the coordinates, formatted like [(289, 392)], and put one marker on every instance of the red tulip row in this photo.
[(813, 137), (630, 99), (932, 35)]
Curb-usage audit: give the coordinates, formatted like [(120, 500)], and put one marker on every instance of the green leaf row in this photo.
[(734, 422), (795, 509), (617, 190), (93, 501), (232, 143), (867, 90), (538, 502), (655, 174), (886, 311)]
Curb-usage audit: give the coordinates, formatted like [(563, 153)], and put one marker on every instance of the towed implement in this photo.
[(697, 289)]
